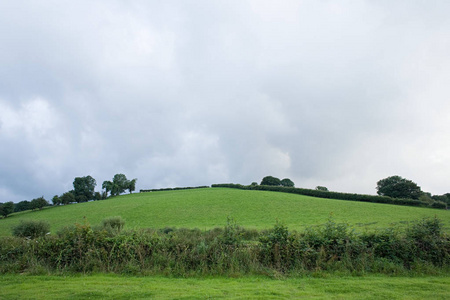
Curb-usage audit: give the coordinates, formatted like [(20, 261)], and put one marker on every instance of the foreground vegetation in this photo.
[(130, 287), (209, 207), (420, 248)]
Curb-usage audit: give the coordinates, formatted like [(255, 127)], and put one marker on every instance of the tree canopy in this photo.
[(83, 188), (119, 185), (287, 182), (6, 208), (398, 187), (270, 180)]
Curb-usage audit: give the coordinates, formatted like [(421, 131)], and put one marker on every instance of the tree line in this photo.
[(83, 191), (391, 190)]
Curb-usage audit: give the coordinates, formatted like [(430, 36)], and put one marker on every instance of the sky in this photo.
[(187, 93)]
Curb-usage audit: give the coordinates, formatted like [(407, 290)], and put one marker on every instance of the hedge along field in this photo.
[(209, 207)]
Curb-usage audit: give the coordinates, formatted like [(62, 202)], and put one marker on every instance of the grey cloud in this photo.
[(180, 94)]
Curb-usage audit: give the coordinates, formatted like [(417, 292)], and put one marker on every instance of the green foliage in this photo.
[(38, 203), (83, 188), (6, 208), (224, 251), (321, 188), (114, 224), (333, 195), (131, 187), (56, 200), (22, 206), (287, 182), (270, 180), (67, 198), (107, 186), (31, 229), (398, 187), (120, 184)]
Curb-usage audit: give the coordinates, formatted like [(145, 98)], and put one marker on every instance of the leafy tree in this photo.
[(22, 206), (97, 196), (38, 203), (6, 208), (67, 197), (398, 187), (120, 184), (287, 182), (132, 185), (107, 186), (254, 183), (83, 188), (270, 180), (321, 188), (56, 200)]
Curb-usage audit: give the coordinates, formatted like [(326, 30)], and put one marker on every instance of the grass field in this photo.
[(121, 287), (208, 208)]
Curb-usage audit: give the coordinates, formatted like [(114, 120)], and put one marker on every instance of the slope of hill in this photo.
[(208, 208)]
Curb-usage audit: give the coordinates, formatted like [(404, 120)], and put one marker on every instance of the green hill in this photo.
[(210, 207)]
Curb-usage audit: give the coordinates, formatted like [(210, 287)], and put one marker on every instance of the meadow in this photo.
[(209, 208)]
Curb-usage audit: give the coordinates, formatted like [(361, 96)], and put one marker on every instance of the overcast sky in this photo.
[(184, 93)]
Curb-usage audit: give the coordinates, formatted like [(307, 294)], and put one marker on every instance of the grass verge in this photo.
[(124, 287)]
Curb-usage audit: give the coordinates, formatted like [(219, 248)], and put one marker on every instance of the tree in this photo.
[(398, 187), (83, 188), (132, 185), (67, 198), (107, 186), (321, 188), (38, 203), (56, 200), (22, 205), (287, 182), (270, 180), (97, 196), (6, 208), (120, 184)]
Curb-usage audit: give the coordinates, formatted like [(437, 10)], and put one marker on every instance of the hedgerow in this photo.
[(420, 247), (336, 195)]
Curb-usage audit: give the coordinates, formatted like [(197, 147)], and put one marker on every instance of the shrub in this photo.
[(114, 223), (31, 229)]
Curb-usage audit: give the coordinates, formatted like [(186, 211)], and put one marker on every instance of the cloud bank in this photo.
[(179, 93)]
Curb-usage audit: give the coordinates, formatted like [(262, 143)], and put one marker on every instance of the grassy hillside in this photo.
[(207, 208)]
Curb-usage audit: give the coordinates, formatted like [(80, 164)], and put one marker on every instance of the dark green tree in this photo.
[(120, 184), (398, 187), (22, 206), (287, 182), (132, 185), (97, 196), (321, 188), (67, 198), (6, 208), (270, 180), (38, 203), (83, 188), (107, 186), (56, 200)]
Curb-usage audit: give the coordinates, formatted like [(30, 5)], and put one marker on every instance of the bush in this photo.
[(31, 229), (113, 223)]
